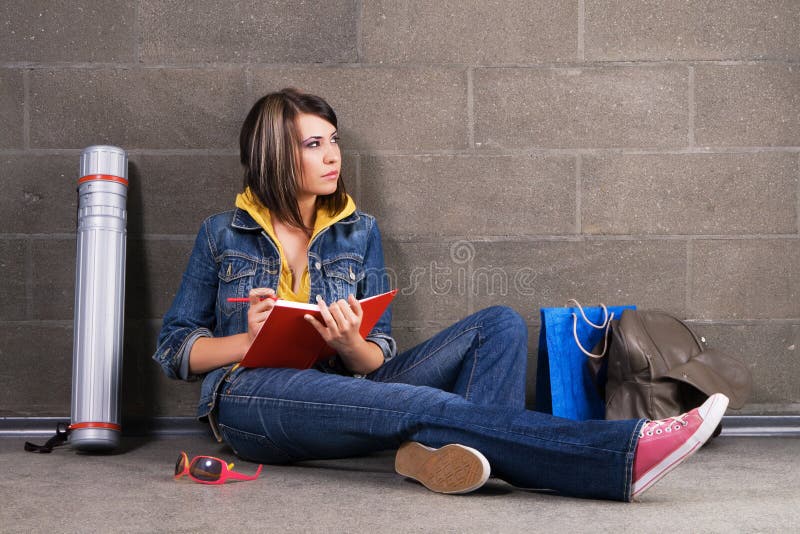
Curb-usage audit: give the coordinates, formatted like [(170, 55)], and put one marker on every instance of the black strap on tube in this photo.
[(61, 437)]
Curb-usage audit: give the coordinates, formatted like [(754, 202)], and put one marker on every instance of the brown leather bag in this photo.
[(658, 368)]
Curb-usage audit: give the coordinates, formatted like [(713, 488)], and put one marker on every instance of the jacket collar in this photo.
[(243, 221)]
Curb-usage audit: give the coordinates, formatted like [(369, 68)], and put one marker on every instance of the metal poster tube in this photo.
[(99, 299)]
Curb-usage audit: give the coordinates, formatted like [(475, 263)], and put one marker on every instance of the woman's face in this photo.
[(320, 157)]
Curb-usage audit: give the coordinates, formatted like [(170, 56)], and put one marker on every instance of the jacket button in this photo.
[(318, 266)]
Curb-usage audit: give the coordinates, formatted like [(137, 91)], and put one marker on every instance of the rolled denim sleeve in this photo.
[(192, 314), (375, 282), (186, 349), (386, 342)]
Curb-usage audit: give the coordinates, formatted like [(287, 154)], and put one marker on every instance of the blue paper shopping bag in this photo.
[(564, 384)]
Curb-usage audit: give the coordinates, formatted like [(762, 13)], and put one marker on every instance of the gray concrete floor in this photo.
[(735, 484)]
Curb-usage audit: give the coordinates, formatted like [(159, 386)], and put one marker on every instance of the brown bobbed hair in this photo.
[(269, 146)]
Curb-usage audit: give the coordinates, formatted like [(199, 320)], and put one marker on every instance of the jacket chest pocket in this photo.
[(343, 274), (236, 277)]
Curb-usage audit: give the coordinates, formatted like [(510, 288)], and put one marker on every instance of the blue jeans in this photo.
[(465, 385)]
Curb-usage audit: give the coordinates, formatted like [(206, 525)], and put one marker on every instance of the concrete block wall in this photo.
[(523, 153)]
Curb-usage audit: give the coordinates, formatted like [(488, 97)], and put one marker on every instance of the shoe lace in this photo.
[(663, 425)]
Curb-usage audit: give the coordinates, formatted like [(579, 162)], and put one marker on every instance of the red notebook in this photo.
[(287, 340)]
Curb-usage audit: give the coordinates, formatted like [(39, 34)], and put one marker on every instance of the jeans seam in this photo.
[(629, 458), (474, 363), (432, 354), (261, 436), (431, 418)]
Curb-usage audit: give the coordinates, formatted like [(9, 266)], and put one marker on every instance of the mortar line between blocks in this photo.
[(692, 108), (469, 286), (358, 179), (578, 193), (26, 109), (791, 321), (378, 152), (248, 80), (797, 196), (568, 238), (470, 109), (137, 57), (689, 276), (37, 323), (598, 64), (28, 279), (472, 238), (359, 31), (581, 30)]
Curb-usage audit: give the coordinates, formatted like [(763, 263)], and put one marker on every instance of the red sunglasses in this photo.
[(208, 470)]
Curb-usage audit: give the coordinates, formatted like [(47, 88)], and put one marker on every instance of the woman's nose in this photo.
[(332, 154)]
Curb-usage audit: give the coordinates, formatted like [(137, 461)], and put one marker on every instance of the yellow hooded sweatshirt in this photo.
[(261, 215)]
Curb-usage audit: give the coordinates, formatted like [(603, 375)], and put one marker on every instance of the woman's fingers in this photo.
[(262, 300), (261, 296), (340, 319), (341, 314), (355, 306), (319, 327), (327, 317)]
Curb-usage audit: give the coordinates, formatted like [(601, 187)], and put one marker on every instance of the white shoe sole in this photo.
[(451, 469), (711, 411)]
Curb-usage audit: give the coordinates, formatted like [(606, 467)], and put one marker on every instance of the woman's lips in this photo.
[(332, 174)]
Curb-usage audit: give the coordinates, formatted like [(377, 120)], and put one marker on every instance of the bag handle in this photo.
[(580, 309), (605, 324)]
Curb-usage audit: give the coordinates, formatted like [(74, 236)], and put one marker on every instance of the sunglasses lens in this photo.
[(180, 464), (206, 469)]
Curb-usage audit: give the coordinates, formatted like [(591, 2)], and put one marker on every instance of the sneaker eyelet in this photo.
[(668, 429), (649, 432), (684, 423), (677, 427), (658, 431)]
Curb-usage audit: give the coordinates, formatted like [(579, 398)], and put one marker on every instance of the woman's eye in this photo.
[(312, 144), (335, 139)]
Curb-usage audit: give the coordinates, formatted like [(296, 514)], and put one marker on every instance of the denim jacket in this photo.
[(233, 254)]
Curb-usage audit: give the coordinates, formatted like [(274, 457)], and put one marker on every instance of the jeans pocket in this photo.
[(253, 447)]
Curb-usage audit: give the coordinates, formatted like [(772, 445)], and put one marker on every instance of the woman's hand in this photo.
[(341, 331), (209, 353), (342, 322), (262, 300)]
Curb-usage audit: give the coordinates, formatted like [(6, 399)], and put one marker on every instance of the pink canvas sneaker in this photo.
[(666, 443)]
